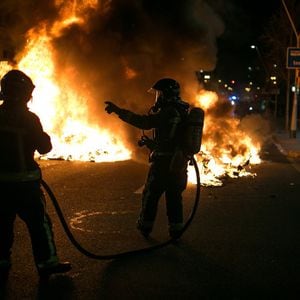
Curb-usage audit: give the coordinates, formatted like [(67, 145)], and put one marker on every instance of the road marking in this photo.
[(78, 222), (295, 164), (139, 190)]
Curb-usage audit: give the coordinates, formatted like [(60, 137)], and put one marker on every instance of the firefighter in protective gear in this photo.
[(21, 134), (168, 170)]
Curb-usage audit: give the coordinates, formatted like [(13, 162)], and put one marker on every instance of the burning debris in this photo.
[(81, 52), (227, 148)]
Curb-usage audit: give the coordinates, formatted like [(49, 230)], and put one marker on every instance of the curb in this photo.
[(287, 152)]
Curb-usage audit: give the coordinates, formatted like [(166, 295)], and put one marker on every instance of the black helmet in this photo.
[(16, 86), (167, 91), (168, 86)]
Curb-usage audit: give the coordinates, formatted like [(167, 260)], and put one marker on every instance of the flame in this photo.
[(226, 150), (72, 12), (64, 111)]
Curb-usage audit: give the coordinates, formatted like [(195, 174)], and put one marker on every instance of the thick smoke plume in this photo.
[(16, 18), (124, 45), (121, 48)]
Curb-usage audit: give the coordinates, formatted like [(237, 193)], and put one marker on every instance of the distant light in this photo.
[(253, 46), (273, 78), (232, 102), (233, 97), (232, 81), (229, 88), (258, 88), (206, 76), (251, 83), (274, 82), (247, 89), (219, 80), (293, 89), (250, 68), (225, 85), (250, 108), (275, 66)]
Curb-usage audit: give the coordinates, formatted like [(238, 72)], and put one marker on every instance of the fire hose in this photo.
[(87, 253)]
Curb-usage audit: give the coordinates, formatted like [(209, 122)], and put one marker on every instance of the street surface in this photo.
[(243, 243)]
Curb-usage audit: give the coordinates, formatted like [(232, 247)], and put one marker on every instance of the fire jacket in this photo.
[(21, 134), (167, 124)]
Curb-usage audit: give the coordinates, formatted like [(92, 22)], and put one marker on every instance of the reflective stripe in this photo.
[(4, 263), (51, 245), (20, 176), (176, 226), (52, 261)]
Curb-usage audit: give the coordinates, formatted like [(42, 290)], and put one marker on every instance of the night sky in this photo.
[(244, 25), (151, 39)]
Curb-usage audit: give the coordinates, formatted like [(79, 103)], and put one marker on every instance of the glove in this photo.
[(111, 107)]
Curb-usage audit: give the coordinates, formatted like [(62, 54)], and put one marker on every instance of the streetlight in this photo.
[(293, 130), (261, 59), (268, 77)]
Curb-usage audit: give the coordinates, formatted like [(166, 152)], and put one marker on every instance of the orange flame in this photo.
[(64, 111), (226, 149)]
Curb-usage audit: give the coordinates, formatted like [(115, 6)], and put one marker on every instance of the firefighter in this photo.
[(21, 133), (168, 170)]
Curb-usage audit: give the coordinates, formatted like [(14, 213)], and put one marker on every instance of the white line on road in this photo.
[(139, 190)]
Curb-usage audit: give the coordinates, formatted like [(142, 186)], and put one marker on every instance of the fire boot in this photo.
[(144, 230), (175, 230), (175, 234), (46, 271)]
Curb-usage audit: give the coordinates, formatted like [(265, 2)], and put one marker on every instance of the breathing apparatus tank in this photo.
[(193, 131)]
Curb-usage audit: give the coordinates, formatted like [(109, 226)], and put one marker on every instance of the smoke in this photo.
[(258, 128), (127, 45), (17, 17), (123, 46)]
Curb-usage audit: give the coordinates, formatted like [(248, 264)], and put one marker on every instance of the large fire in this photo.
[(226, 149), (63, 111)]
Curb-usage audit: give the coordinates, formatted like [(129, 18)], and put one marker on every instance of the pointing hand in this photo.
[(111, 107)]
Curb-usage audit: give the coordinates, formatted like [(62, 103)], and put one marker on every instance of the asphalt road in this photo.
[(243, 243)]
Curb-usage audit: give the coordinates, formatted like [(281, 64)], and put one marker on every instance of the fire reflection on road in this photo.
[(84, 219)]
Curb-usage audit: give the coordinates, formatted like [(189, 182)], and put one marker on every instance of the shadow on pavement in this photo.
[(176, 272), (181, 272), (57, 287)]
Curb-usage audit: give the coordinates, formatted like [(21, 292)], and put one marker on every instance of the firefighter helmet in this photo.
[(168, 86), (16, 86), (166, 90)]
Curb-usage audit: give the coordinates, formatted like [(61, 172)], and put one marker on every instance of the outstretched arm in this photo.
[(140, 121), (111, 107)]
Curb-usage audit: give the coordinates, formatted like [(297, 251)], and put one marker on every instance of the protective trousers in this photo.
[(160, 180), (26, 200)]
